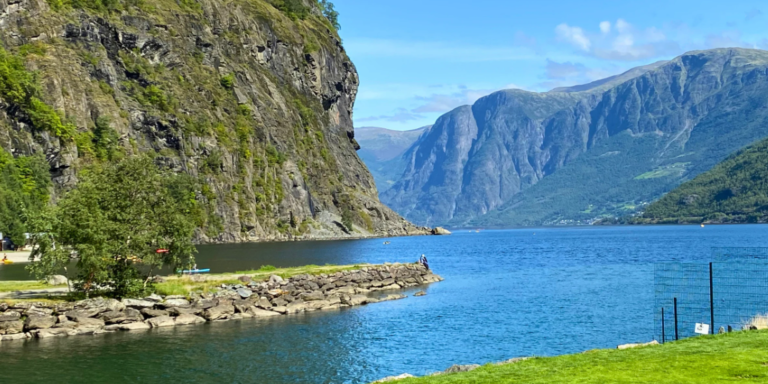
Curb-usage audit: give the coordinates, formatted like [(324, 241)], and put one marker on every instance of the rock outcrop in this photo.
[(265, 299), (252, 103)]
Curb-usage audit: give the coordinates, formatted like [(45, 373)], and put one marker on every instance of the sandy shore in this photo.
[(17, 257)]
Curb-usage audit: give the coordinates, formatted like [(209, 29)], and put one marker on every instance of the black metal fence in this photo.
[(727, 292)]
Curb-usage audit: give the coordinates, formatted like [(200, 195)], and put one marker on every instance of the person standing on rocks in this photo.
[(423, 261)]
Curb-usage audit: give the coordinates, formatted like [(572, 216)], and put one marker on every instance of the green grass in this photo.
[(735, 357), (675, 169), (12, 286)]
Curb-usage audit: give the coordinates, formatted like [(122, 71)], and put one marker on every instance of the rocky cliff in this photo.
[(250, 98), (521, 158)]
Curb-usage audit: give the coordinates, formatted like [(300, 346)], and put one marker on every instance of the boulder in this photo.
[(181, 303), (276, 292), (264, 303), (3, 307), (357, 300), (135, 303), (39, 322), (312, 296), (420, 293), (280, 309), (244, 292), (161, 321), (51, 332), (397, 296), (316, 305), (136, 326), (461, 368), (275, 279), (154, 312), (11, 327), (440, 231), (205, 303), (256, 312), (37, 311), (295, 307), (78, 314), (184, 311), (56, 280), (10, 316), (113, 317), (218, 312), (14, 336), (189, 319), (132, 315), (245, 279), (154, 298)]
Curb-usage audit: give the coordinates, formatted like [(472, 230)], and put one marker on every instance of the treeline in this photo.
[(734, 191), (24, 191)]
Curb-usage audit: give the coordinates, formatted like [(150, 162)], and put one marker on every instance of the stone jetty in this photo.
[(251, 299)]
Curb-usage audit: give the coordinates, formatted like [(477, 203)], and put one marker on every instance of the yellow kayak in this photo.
[(7, 262)]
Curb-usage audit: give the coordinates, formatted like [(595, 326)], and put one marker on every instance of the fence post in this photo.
[(711, 303), (677, 336), (663, 335)]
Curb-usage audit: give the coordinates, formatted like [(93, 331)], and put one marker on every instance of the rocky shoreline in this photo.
[(251, 299)]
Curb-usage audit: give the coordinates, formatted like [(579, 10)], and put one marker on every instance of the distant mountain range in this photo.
[(576, 154), (381, 150)]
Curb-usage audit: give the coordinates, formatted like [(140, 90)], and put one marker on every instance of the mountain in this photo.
[(734, 191), (381, 150), (522, 158), (250, 99), (612, 81)]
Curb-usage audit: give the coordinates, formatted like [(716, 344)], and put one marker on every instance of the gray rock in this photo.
[(39, 322), (56, 280), (206, 303), (154, 312), (132, 315), (51, 332), (181, 303), (11, 327), (264, 303), (14, 336), (420, 293), (440, 231), (392, 297), (79, 314), (185, 311), (244, 292), (256, 312), (280, 309), (462, 368), (154, 298), (10, 316), (275, 279), (295, 307), (245, 279), (134, 303), (189, 319), (218, 312), (135, 326), (357, 300), (161, 321), (312, 296)]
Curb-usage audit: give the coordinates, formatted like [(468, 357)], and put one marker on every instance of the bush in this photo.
[(228, 81)]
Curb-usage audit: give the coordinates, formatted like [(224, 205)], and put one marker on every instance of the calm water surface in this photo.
[(506, 294)]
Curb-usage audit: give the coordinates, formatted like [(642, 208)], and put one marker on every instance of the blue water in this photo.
[(506, 294)]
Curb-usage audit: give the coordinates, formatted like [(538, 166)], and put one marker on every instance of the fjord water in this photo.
[(506, 293)]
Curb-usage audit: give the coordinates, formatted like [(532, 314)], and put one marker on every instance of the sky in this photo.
[(418, 59)]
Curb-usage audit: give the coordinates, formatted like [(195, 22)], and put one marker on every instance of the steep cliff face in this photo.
[(381, 149), (528, 160), (255, 103)]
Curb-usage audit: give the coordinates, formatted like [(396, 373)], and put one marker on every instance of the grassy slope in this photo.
[(736, 357), (734, 190)]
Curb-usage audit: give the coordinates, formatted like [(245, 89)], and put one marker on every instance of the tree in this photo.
[(24, 185), (114, 221), (330, 13)]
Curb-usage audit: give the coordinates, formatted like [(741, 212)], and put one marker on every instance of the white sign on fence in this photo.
[(702, 329)]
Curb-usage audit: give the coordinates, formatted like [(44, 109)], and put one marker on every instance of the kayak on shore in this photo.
[(193, 271)]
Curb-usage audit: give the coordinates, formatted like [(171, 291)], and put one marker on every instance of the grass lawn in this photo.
[(739, 357), (12, 286)]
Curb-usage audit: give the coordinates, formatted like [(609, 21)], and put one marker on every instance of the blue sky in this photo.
[(418, 59)]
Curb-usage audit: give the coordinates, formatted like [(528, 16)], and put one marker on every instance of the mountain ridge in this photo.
[(688, 102)]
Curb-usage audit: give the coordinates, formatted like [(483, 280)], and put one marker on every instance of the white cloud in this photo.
[(605, 26), (619, 41), (574, 36)]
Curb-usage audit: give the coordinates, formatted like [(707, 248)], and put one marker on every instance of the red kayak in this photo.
[(162, 250)]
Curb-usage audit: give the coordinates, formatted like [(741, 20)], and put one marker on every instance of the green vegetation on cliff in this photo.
[(733, 357), (24, 191), (736, 190)]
